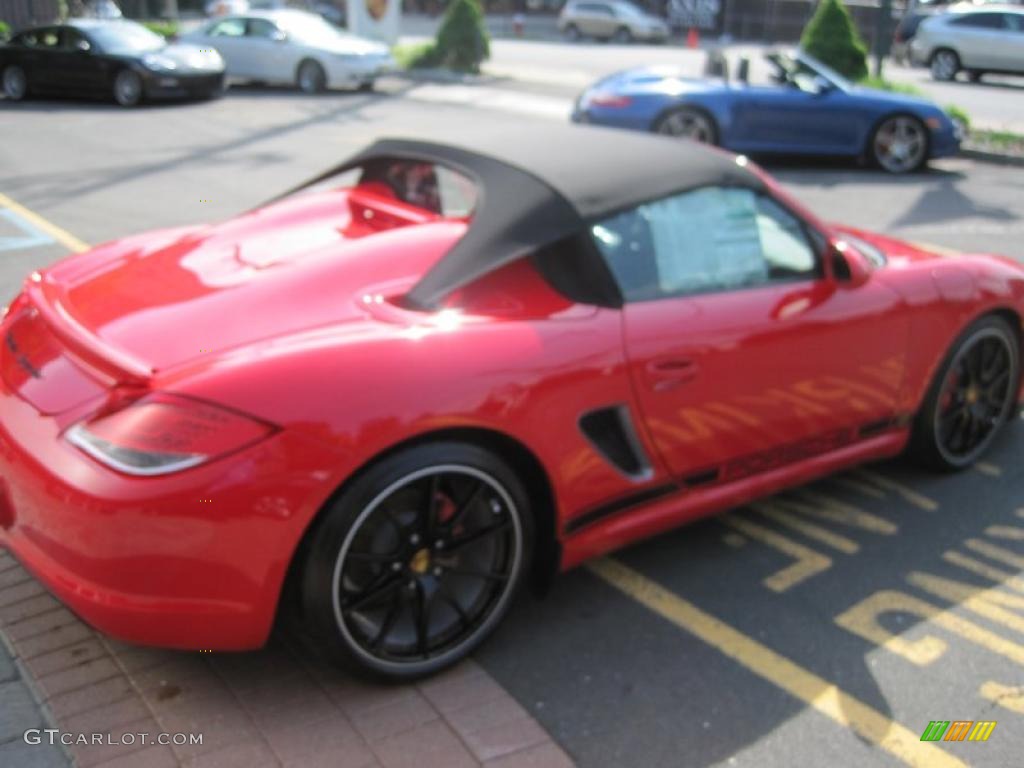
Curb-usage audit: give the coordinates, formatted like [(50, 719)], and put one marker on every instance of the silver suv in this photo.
[(971, 38), (610, 20)]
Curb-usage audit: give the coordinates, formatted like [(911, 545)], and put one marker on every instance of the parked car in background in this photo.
[(293, 47), (112, 59), (975, 39), (610, 20), (102, 9), (802, 108), (905, 31)]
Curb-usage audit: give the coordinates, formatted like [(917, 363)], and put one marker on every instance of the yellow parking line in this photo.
[(1011, 532), (986, 468), (61, 236), (810, 530), (826, 697), (909, 494), (998, 554), (1010, 697), (808, 561)]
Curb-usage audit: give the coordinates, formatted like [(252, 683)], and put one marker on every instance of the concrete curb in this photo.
[(996, 158)]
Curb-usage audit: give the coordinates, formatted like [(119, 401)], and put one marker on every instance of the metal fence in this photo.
[(25, 13)]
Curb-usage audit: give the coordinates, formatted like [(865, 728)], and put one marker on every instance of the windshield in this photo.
[(630, 10), (309, 29), (807, 63), (126, 37)]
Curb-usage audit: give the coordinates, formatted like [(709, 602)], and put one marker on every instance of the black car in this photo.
[(122, 59)]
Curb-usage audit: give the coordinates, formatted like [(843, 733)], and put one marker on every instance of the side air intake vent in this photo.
[(611, 432)]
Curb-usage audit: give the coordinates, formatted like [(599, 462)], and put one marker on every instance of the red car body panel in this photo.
[(292, 315)]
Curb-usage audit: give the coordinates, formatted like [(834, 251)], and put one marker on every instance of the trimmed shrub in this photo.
[(166, 29), (832, 38), (5, 31), (462, 41)]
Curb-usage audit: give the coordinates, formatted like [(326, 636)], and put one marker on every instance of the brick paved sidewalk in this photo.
[(267, 708)]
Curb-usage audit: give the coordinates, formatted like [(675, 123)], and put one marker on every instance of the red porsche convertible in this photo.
[(389, 399)]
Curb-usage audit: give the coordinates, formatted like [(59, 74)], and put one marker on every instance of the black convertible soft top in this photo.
[(538, 185)]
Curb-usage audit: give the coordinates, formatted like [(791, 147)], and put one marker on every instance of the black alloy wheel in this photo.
[(974, 394), (425, 560)]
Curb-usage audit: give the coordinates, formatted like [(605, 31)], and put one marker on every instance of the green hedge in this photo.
[(832, 38), (5, 31), (163, 28)]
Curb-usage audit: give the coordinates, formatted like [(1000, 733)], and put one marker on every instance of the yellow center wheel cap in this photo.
[(420, 561)]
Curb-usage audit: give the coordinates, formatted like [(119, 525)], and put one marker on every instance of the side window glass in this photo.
[(228, 28), (784, 244), (710, 239), (48, 38), (262, 28)]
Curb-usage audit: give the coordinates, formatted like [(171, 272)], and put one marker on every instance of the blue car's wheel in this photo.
[(900, 144), (688, 123)]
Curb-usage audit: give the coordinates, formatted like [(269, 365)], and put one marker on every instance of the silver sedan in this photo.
[(295, 47), (971, 38)]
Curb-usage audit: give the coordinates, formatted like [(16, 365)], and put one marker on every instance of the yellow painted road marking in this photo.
[(817, 692), (998, 554), (909, 495), (780, 515), (832, 509), (61, 236), (1011, 532), (866, 488), (808, 561), (1020, 512), (984, 602), (988, 469), (863, 620), (1008, 696), (1005, 578)]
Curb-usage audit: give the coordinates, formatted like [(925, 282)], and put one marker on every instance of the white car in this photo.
[(971, 38), (289, 46)]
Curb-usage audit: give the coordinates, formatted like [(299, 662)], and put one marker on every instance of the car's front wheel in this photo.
[(127, 88), (623, 35), (15, 83), (945, 64), (415, 563), (900, 144), (311, 77), (688, 123), (572, 33), (973, 394)]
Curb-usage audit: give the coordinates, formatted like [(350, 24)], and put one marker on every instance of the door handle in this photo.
[(670, 372)]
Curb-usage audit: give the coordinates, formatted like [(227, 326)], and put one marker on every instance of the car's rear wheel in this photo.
[(15, 83), (417, 560), (688, 123), (311, 77), (623, 35), (973, 394), (572, 33), (945, 64), (900, 144), (127, 88)]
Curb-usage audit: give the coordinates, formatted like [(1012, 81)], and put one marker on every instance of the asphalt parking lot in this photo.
[(826, 626)]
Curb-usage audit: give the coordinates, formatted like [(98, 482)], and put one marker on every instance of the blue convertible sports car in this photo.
[(802, 108)]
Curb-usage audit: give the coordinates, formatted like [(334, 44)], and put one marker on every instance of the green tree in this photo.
[(462, 41), (832, 38)]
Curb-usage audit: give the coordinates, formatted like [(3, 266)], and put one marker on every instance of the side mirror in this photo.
[(850, 268)]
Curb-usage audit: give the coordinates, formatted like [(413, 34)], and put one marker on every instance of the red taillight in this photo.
[(610, 100), (163, 433)]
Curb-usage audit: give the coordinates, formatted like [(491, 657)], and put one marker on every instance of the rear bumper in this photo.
[(190, 560)]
